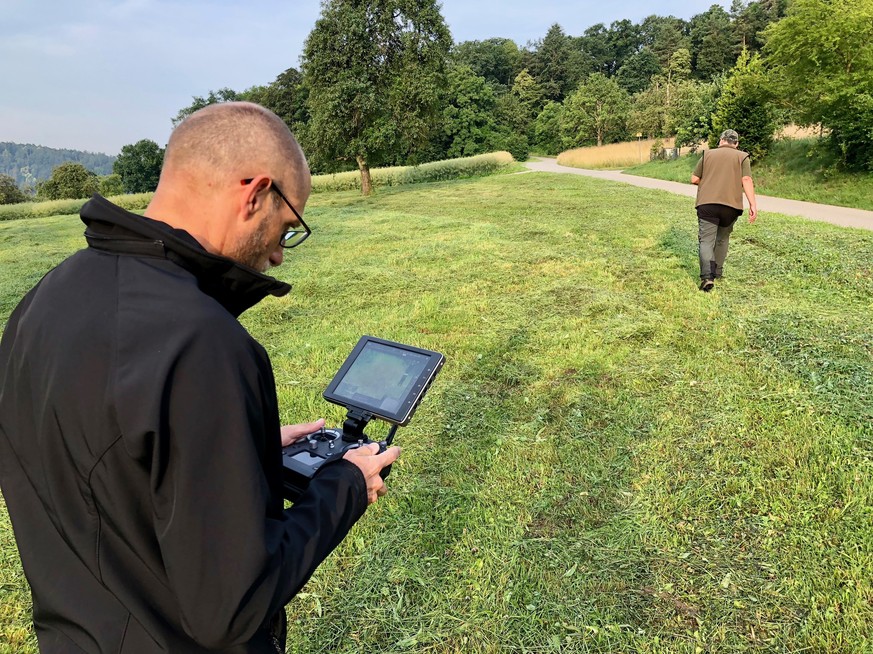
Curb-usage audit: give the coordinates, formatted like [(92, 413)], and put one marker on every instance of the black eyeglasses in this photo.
[(293, 237)]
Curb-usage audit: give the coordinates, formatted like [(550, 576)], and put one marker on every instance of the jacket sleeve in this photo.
[(230, 561)]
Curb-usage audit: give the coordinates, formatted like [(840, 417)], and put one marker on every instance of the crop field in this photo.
[(613, 155), (610, 461)]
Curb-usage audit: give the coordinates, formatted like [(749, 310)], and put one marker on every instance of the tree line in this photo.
[(79, 174), (24, 166), (382, 83)]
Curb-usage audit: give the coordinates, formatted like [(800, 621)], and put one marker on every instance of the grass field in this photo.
[(610, 460), (793, 169)]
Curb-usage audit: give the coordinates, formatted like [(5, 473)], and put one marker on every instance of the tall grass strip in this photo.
[(436, 171)]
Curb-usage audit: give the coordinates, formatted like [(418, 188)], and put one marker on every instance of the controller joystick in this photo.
[(302, 459)]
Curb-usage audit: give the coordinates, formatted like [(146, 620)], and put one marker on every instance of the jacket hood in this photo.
[(113, 229)]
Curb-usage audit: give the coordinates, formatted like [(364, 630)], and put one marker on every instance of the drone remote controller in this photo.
[(379, 379), (303, 459)]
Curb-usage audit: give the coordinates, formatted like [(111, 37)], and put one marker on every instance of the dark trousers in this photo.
[(715, 222)]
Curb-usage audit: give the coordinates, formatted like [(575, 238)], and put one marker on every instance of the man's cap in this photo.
[(730, 136)]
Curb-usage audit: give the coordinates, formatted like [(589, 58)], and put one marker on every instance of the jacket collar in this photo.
[(235, 286)]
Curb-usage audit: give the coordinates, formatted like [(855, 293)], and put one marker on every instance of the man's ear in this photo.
[(253, 196)]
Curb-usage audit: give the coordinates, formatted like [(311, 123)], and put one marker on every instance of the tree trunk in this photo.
[(366, 183)]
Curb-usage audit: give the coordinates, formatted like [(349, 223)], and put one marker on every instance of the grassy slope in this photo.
[(792, 170), (610, 460)]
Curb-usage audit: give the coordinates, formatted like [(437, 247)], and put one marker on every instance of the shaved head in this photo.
[(226, 171), (233, 139)]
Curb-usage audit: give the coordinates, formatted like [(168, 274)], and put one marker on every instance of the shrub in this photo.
[(9, 191), (111, 185), (68, 180), (132, 201), (516, 144), (745, 106)]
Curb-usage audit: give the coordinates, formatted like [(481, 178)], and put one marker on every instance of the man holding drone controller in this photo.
[(140, 444)]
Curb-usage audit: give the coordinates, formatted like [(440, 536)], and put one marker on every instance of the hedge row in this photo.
[(436, 171), (131, 202)]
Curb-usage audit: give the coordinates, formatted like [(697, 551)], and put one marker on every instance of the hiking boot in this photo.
[(707, 285)]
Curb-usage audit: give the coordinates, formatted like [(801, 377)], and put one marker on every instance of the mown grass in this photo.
[(794, 169), (610, 461)]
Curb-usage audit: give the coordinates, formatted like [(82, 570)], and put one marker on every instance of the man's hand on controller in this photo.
[(371, 462), (294, 433)]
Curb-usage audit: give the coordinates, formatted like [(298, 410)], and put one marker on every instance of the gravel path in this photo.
[(842, 216)]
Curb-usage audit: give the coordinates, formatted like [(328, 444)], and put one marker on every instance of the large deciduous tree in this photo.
[(665, 35), (597, 111), (547, 129), (198, 102), (625, 40), (637, 71), (594, 48), (139, 166), (821, 55), (690, 117), (285, 97), (654, 108), (69, 181), (375, 70), (469, 125), (529, 94), (497, 60)]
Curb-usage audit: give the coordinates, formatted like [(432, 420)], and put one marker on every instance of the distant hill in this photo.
[(28, 164)]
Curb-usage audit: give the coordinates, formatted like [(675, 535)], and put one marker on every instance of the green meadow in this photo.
[(610, 460)]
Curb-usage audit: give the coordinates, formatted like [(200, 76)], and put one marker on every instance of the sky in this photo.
[(96, 75)]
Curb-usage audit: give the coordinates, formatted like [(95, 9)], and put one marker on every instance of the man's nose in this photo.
[(276, 256)]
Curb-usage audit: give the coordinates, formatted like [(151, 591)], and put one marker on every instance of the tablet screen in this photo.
[(381, 377), (385, 378)]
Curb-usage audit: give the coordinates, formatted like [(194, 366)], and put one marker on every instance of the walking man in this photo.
[(722, 176)]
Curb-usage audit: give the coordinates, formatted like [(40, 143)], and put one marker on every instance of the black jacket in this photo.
[(140, 456)]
